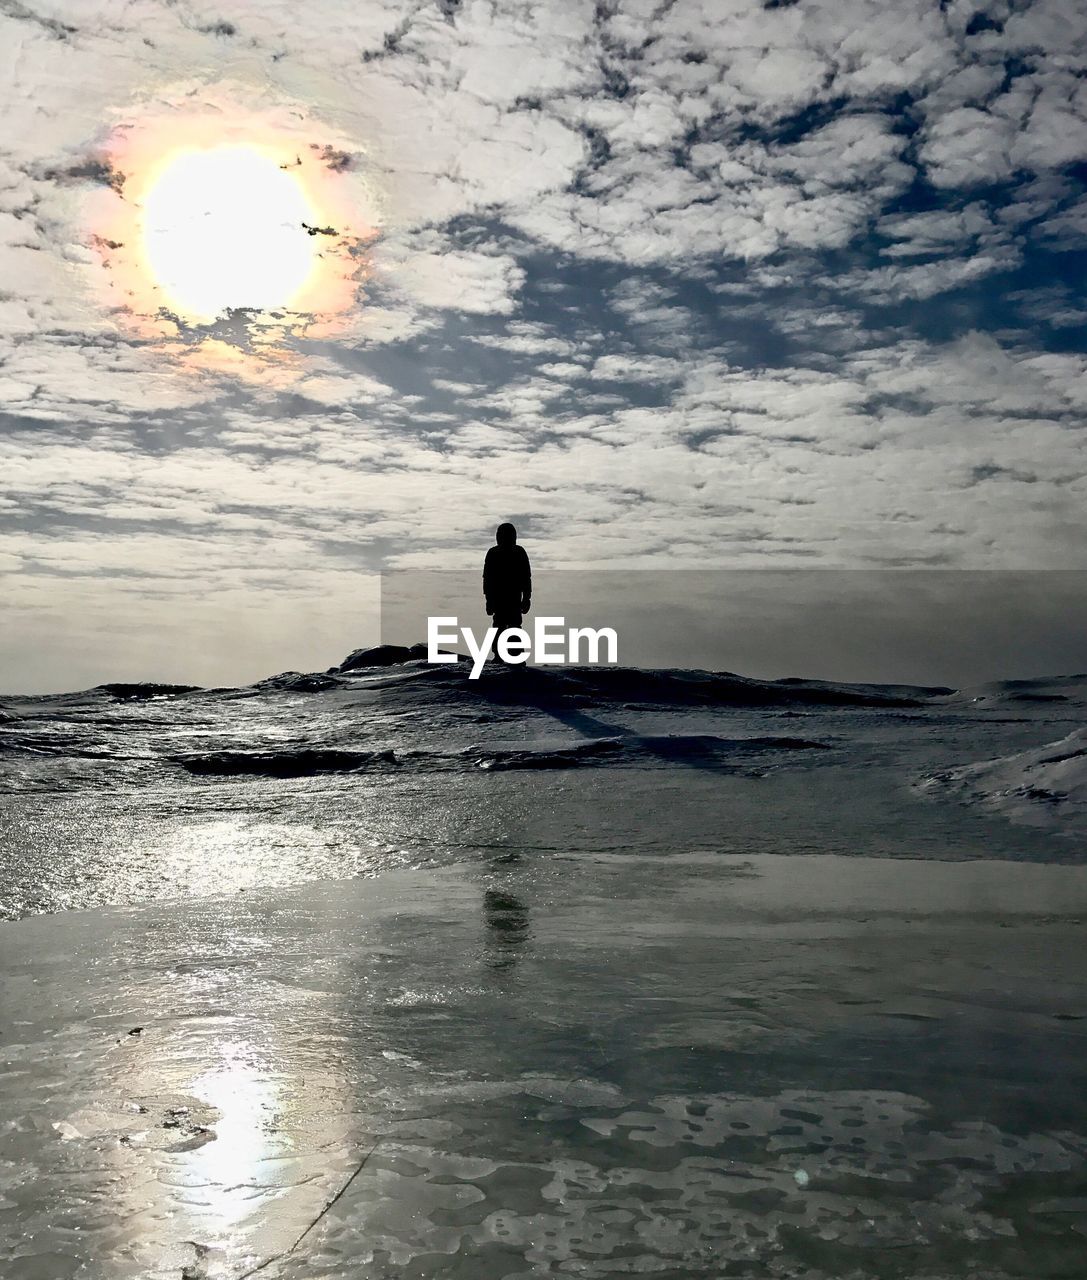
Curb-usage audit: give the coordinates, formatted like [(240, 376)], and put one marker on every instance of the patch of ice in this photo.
[(1043, 786), (696, 1185)]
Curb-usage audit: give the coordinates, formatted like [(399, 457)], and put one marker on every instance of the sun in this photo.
[(228, 227), (235, 208)]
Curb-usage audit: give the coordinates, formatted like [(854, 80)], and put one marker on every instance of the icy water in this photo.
[(603, 974)]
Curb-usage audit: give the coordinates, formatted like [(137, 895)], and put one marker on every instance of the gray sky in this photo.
[(918, 626), (716, 284)]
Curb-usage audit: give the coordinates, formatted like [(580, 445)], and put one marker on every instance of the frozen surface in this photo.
[(679, 976), (131, 793), (1043, 786), (855, 1068)]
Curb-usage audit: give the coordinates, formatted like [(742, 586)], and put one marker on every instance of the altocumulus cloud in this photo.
[(701, 283)]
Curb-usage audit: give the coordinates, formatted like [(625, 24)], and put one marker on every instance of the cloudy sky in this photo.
[(666, 282)]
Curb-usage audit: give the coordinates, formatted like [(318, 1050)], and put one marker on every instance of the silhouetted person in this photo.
[(507, 580)]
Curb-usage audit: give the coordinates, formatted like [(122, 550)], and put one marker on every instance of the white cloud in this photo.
[(967, 147), (925, 280), (433, 273), (631, 261)]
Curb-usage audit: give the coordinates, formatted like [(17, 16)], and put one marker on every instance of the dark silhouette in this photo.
[(506, 917), (507, 580)]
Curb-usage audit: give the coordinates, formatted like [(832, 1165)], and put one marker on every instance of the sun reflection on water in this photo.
[(237, 1172)]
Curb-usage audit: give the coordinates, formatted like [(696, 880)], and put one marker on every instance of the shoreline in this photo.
[(835, 885), (825, 885)]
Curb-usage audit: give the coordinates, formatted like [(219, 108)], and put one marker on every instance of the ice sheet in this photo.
[(575, 1065)]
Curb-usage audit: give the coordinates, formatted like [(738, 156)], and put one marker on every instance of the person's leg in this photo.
[(503, 622)]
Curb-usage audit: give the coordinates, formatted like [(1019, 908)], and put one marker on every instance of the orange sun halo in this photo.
[(209, 215)]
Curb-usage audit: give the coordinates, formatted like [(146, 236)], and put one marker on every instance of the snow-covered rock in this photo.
[(1043, 786)]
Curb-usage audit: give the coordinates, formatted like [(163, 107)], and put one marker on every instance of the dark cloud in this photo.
[(220, 28), (337, 161), (21, 13), (91, 170)]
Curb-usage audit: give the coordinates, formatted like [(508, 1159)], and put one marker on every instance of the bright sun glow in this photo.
[(223, 229), (203, 214)]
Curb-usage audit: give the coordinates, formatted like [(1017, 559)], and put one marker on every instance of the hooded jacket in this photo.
[(507, 579)]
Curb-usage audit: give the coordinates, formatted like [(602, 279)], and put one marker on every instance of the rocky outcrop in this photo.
[(381, 655), (145, 690), (298, 682)]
